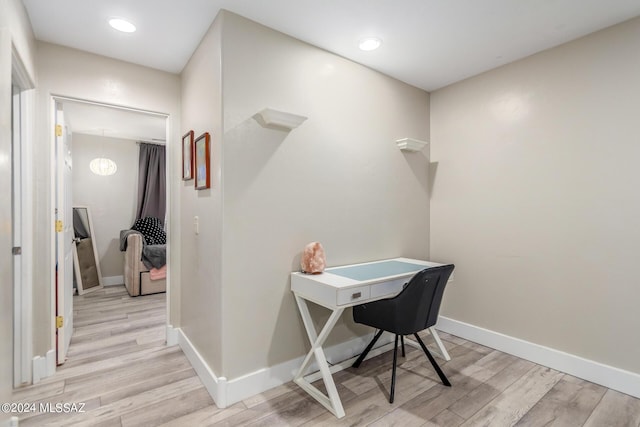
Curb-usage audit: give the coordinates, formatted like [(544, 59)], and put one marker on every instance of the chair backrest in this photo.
[(420, 300)]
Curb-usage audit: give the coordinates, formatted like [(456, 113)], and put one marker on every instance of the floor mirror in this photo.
[(85, 256)]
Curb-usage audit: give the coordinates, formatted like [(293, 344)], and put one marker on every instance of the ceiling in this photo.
[(426, 43)]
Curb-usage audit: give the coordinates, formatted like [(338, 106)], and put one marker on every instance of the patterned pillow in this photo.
[(151, 229)]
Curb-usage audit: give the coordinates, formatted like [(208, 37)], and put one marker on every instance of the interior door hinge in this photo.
[(59, 226), (16, 250), (59, 322), (58, 130)]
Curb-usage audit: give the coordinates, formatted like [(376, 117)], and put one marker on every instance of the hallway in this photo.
[(120, 368)]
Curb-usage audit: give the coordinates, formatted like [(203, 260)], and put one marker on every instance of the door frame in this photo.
[(54, 162), (64, 235), (23, 288)]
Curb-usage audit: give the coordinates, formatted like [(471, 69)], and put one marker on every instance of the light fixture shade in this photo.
[(103, 166)]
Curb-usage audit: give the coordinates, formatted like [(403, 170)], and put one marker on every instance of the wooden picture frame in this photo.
[(187, 156), (202, 158)]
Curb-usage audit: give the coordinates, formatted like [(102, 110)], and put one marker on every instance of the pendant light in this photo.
[(103, 166)]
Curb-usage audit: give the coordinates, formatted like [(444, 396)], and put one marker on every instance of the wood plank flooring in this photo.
[(119, 367)]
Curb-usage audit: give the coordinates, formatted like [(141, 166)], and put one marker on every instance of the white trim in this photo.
[(608, 376), (22, 308), (172, 336), (39, 369), (9, 422), (19, 72), (43, 366), (113, 280), (216, 386), (264, 379), (225, 393), (52, 219), (28, 103), (51, 362), (63, 98)]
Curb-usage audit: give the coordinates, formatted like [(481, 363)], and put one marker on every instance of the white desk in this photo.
[(336, 289)]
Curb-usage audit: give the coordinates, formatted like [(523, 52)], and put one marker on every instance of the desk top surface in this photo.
[(368, 272), (374, 270)]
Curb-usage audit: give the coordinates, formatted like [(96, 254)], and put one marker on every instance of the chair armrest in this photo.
[(134, 245)]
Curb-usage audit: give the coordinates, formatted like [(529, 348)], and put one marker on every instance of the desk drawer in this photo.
[(388, 289), (351, 295)]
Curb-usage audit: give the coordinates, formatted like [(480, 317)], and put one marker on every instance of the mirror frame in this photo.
[(76, 264)]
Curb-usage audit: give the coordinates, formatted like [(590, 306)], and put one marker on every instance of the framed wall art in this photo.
[(202, 160), (187, 156)]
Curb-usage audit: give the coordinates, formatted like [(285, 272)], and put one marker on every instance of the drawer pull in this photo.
[(356, 295)]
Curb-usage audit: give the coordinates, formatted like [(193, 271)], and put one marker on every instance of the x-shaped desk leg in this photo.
[(332, 401)]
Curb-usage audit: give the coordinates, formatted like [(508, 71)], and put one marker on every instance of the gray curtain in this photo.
[(151, 182)]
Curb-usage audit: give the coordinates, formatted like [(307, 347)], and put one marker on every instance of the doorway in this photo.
[(21, 219), (100, 124)]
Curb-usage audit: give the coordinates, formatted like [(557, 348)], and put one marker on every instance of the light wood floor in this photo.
[(120, 368)]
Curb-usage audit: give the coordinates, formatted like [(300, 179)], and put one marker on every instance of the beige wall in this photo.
[(535, 197), (73, 73), (201, 312), (339, 178), (111, 199), (15, 33)]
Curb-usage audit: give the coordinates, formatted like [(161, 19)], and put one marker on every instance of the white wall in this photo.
[(339, 178), (536, 201), (73, 73), (201, 299), (111, 199), (15, 33)]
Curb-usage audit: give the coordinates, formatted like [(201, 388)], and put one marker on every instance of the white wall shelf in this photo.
[(410, 144), (279, 119)]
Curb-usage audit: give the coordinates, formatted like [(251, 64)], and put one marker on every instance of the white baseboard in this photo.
[(225, 393), (9, 422), (51, 362), (38, 367), (43, 366), (608, 376), (264, 379), (112, 280), (216, 386), (172, 336)]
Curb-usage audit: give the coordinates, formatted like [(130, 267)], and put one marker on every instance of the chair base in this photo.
[(436, 367), (366, 351)]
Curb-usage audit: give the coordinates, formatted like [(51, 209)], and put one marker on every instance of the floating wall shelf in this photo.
[(410, 144), (279, 119)]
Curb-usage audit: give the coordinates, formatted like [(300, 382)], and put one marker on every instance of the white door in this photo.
[(64, 238), (20, 371)]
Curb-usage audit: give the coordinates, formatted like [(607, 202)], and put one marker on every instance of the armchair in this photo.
[(136, 275)]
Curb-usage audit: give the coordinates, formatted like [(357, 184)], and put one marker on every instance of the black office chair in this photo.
[(411, 311)]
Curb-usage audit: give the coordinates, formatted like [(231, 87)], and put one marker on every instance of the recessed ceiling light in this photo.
[(122, 25), (369, 43)]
